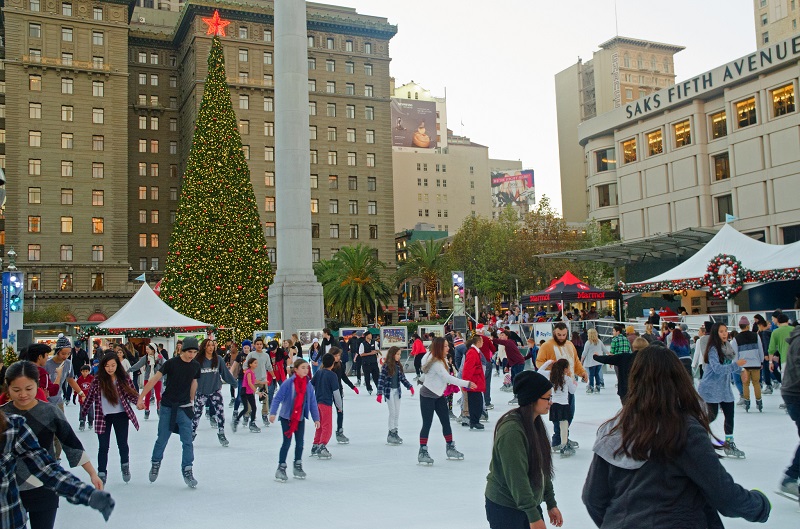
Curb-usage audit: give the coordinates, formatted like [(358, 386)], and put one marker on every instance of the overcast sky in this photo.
[(498, 58)]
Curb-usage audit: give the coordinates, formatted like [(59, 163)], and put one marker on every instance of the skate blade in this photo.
[(787, 495), (424, 463), (455, 458), (281, 480), (298, 477)]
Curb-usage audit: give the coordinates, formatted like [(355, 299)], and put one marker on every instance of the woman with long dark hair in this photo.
[(113, 398), (715, 386), (209, 389), (521, 470), (653, 464), (436, 377)]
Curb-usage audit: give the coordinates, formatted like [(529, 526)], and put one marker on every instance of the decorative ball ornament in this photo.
[(725, 276)]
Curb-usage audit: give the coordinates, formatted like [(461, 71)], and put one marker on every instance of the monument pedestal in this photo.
[(296, 305)]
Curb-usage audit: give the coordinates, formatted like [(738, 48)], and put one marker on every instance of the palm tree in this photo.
[(424, 262), (351, 282)]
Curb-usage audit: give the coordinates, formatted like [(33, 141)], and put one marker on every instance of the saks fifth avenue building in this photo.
[(724, 142)]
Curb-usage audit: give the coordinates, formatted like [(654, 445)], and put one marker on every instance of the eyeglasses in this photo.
[(548, 399)]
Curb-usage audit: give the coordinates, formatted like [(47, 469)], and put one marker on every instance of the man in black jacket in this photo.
[(369, 361), (354, 344)]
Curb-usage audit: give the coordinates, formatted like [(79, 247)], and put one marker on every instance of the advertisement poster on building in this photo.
[(413, 123), (513, 188)]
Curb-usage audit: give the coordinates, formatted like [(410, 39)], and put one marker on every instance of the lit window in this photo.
[(154, 240), (269, 179), (606, 159), (722, 168), (154, 146), (244, 102), (98, 170), (269, 128), (34, 83), (142, 192), (719, 126), (34, 224), (746, 112), (142, 216), (65, 280), (783, 100), (143, 242), (154, 193), (629, 150), (333, 181), (269, 204), (34, 167), (98, 197), (154, 169), (34, 138), (97, 277), (683, 134), (66, 224), (269, 154), (314, 205), (654, 143)]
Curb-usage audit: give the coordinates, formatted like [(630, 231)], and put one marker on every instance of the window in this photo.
[(746, 112), (34, 5), (373, 231), (370, 159), (142, 57), (154, 240), (333, 181), (269, 154), (719, 127), (351, 158), (34, 254), (314, 205), (349, 67), (354, 231), (331, 110), (34, 195), (97, 38), (35, 31), (269, 229), (330, 87), (97, 252), (351, 112), (142, 216), (606, 159), (312, 132), (372, 183), (34, 83), (267, 35), (34, 224), (330, 65), (783, 100), (98, 197), (312, 108), (370, 136), (269, 179), (368, 48), (369, 113), (34, 138), (332, 157), (154, 193), (142, 124), (142, 244), (724, 207), (65, 280), (629, 150), (154, 146), (98, 143), (66, 9), (142, 145), (66, 252), (352, 207), (97, 13), (654, 143), (34, 167), (367, 69), (246, 151), (333, 206), (173, 124), (34, 111), (67, 113), (66, 197), (67, 86), (272, 255), (313, 156), (66, 168), (269, 204), (66, 224), (368, 90), (683, 134), (98, 88), (607, 195), (722, 168), (268, 104), (173, 193), (97, 225), (348, 45), (66, 34), (35, 55), (314, 251), (329, 43), (97, 279), (312, 64), (98, 116), (243, 55), (142, 192), (791, 234), (244, 102), (372, 207), (243, 32), (334, 231), (173, 147), (352, 183)]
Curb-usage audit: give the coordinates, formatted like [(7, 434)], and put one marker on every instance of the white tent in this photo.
[(145, 310)]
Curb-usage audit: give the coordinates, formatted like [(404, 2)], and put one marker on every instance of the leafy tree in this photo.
[(47, 314), (351, 283), (424, 263), (217, 269)]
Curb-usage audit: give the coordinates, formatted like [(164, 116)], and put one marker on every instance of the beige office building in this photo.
[(101, 99), (775, 20), (722, 143), (623, 69)]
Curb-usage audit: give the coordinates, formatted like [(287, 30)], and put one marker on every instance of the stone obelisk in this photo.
[(295, 297)]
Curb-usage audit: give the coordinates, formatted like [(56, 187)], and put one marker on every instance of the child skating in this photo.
[(249, 397), (563, 384), (85, 382), (326, 389), (392, 376)]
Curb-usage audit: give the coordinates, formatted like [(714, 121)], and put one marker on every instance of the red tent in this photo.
[(568, 288)]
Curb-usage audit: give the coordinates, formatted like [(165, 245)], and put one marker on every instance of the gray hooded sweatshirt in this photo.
[(690, 492)]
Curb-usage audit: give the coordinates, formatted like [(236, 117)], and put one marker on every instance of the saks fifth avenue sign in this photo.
[(738, 70)]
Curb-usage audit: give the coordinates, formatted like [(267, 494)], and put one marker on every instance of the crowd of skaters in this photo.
[(453, 377)]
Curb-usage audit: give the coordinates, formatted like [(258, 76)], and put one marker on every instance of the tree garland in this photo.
[(94, 330), (720, 268)]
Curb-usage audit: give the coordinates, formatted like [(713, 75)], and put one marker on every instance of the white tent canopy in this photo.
[(145, 310), (754, 255)]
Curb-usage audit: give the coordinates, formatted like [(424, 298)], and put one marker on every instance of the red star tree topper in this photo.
[(216, 26)]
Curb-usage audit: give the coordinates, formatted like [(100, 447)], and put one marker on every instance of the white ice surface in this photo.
[(368, 484)]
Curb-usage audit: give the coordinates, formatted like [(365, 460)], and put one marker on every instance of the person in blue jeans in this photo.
[(177, 408)]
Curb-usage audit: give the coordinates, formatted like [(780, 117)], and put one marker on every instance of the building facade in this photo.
[(723, 143), (623, 69), (775, 20), (102, 100)]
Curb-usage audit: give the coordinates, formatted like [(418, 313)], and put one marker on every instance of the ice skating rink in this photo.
[(368, 484)]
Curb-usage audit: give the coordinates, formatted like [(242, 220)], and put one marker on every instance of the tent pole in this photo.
[(619, 303)]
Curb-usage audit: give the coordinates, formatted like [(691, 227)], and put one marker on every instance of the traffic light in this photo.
[(458, 292), (15, 294)]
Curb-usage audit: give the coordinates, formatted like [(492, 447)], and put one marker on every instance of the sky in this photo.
[(497, 60)]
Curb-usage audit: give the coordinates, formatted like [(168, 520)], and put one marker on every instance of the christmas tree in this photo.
[(217, 269)]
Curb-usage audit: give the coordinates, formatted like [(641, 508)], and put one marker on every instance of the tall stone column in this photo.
[(295, 297)]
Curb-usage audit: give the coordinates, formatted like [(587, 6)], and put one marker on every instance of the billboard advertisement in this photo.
[(513, 188), (413, 123)]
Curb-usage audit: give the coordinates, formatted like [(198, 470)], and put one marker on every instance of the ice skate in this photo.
[(390, 439), (477, 426), (341, 438), (484, 417), (731, 450), (265, 420), (222, 439), (567, 451), (789, 488), (513, 402), (154, 468), (103, 477), (254, 428), (573, 444), (298, 471), (280, 474), (423, 458), (231, 403), (315, 450), (741, 401), (589, 390), (188, 477), (323, 452), (82, 426), (759, 405), (213, 422), (767, 390), (489, 406), (452, 453), (126, 472), (453, 416), (235, 425), (747, 406), (146, 414)]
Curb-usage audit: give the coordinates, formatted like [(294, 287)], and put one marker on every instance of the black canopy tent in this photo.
[(568, 288)]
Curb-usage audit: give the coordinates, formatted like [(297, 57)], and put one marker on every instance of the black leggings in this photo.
[(249, 402), (475, 401), (727, 411), (42, 507), (119, 421), (428, 406), (340, 415), (418, 363)]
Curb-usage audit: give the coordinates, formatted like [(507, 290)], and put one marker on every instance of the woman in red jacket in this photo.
[(473, 372), (417, 351)]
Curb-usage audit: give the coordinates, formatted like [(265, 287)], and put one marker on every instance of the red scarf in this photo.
[(300, 385)]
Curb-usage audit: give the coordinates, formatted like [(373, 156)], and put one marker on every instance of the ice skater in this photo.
[(392, 376), (209, 389), (112, 395), (563, 384), (151, 362), (85, 382), (326, 389), (249, 398), (474, 372), (294, 402), (263, 367), (339, 369)]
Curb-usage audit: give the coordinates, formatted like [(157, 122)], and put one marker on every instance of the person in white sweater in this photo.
[(593, 346), (435, 378)]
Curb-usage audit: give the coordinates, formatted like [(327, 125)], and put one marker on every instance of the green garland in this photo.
[(167, 332)]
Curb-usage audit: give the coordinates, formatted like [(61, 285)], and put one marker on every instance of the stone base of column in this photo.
[(295, 305)]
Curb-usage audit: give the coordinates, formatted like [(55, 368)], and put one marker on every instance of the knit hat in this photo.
[(629, 329), (247, 342), (744, 321), (315, 340), (62, 343), (684, 327), (529, 386), (190, 343)]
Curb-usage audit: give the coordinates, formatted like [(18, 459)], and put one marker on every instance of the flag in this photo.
[(141, 278), (730, 218)]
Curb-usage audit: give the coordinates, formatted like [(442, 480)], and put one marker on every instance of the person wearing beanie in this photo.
[(747, 345), (521, 469), (60, 370)]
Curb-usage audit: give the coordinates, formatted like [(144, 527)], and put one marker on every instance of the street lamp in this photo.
[(12, 259)]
